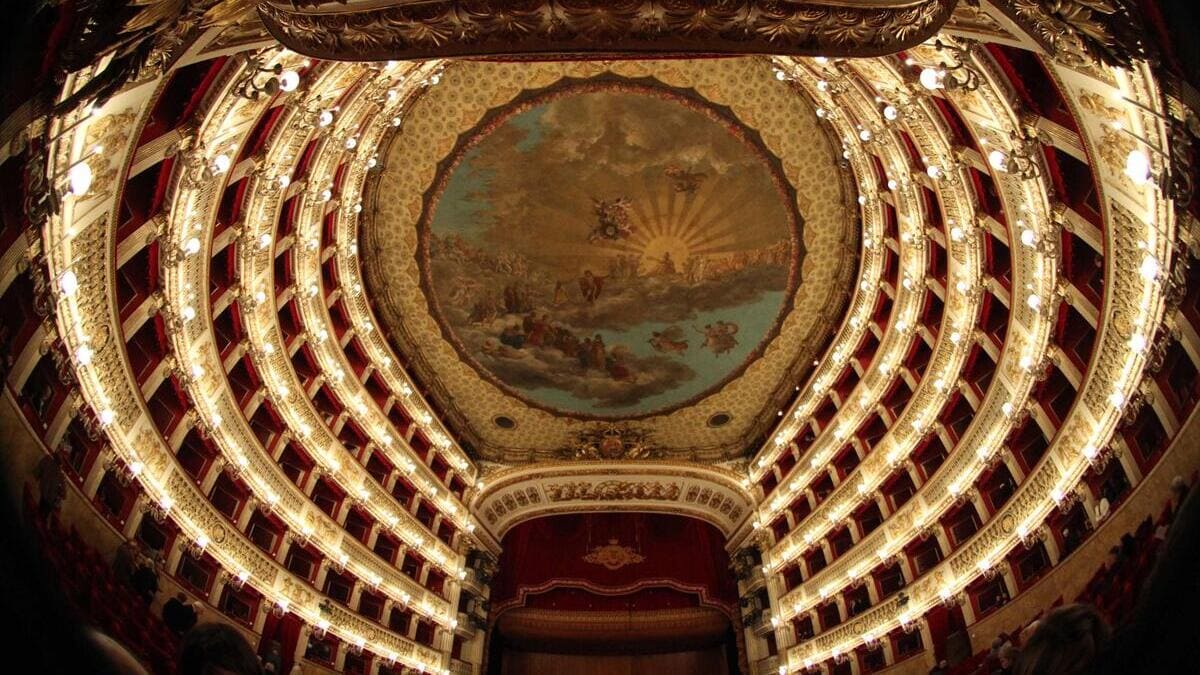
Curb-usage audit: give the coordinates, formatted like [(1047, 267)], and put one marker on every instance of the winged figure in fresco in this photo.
[(613, 221), (683, 180), (669, 340), (719, 336)]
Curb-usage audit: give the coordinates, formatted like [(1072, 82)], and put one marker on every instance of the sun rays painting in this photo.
[(610, 249)]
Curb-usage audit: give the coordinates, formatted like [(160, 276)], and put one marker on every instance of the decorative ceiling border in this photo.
[(525, 493), (442, 28)]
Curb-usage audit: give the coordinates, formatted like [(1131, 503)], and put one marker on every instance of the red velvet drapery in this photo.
[(285, 630), (651, 551)]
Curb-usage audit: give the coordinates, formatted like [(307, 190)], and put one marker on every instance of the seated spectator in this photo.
[(216, 649), (125, 560), (1007, 658), (1129, 547), (1179, 490), (1113, 560), (178, 614), (1066, 642), (52, 485), (941, 668), (145, 581)]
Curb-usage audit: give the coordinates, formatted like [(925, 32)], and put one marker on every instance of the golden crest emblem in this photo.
[(612, 442), (613, 556)]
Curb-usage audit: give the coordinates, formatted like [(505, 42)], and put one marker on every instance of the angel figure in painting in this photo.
[(683, 180), (669, 340), (613, 220), (719, 336)]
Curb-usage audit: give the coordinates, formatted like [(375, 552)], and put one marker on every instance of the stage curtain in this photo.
[(666, 551), (707, 662)]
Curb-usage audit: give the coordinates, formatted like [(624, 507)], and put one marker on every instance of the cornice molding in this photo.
[(417, 30)]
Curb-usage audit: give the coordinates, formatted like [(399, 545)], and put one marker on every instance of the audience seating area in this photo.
[(1113, 590), (100, 599)]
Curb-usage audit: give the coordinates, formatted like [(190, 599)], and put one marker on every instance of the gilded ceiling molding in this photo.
[(403, 29), (1079, 32), (708, 493)]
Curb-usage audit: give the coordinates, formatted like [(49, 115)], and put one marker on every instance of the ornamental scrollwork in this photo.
[(613, 442), (612, 490), (408, 30), (1084, 31)]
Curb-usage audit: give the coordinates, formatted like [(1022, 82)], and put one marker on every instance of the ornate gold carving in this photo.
[(1083, 31), (613, 441), (458, 27), (613, 555), (613, 490)]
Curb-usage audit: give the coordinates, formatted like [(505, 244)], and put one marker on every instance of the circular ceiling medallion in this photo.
[(610, 249), (504, 422)]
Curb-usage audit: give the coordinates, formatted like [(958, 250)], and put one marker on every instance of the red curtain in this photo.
[(285, 630), (645, 552), (707, 662)]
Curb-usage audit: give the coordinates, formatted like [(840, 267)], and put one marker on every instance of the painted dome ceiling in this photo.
[(633, 248)]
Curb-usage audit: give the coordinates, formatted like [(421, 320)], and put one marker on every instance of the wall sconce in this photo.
[(954, 74), (251, 86)]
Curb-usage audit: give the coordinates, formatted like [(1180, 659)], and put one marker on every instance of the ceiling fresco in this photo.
[(609, 249), (650, 251)]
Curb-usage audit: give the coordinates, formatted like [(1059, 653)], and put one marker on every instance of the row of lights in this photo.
[(435, 555), (79, 178), (354, 393), (325, 118), (840, 429), (917, 423), (1150, 273), (860, 314)]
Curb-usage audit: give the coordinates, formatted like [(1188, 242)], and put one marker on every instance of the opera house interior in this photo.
[(284, 391)]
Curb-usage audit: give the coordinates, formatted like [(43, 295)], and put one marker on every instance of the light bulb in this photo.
[(79, 178), (221, 164), (1137, 167), (931, 78), (1149, 268), (1137, 342), (68, 283), (289, 80)]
